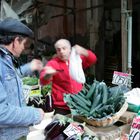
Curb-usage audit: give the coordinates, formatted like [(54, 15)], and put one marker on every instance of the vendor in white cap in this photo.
[(15, 116), (57, 72)]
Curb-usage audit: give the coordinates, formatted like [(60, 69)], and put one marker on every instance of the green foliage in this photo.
[(30, 81), (45, 89)]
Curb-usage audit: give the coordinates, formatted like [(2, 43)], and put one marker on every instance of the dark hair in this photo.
[(7, 39)]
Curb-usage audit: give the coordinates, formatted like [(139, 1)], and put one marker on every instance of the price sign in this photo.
[(26, 92), (73, 129), (135, 129), (36, 92), (120, 78)]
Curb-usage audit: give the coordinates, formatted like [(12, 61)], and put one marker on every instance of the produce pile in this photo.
[(31, 81), (44, 101), (57, 129), (95, 101), (46, 89)]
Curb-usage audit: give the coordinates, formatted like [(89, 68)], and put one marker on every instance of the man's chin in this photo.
[(63, 58)]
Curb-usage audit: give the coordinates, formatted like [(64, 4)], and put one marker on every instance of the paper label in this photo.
[(36, 92), (31, 91), (26, 91), (135, 129), (73, 129), (120, 78)]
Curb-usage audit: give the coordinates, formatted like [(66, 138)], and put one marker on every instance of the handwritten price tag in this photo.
[(26, 92), (36, 92), (120, 78), (135, 129), (73, 129)]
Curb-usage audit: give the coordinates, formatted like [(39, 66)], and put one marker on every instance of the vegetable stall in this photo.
[(98, 108)]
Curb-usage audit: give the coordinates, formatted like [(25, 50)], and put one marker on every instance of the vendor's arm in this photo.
[(46, 74), (29, 68), (87, 56)]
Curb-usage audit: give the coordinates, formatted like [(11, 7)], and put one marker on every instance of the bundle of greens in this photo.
[(30, 81), (46, 89)]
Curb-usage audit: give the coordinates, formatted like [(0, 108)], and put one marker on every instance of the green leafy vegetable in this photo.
[(30, 81)]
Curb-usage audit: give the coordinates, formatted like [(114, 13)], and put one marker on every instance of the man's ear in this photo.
[(16, 41)]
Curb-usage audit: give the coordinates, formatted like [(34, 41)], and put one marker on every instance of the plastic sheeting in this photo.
[(7, 11)]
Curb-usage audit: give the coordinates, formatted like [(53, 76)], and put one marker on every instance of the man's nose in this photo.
[(61, 51)]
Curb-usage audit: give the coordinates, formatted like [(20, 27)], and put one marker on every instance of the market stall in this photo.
[(103, 112)]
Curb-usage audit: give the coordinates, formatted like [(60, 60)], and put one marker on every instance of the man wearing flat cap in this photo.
[(15, 116)]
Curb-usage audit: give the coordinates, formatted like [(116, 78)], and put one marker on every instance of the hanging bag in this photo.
[(75, 67)]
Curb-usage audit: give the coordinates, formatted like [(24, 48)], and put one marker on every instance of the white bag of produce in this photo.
[(133, 99), (75, 67), (133, 96)]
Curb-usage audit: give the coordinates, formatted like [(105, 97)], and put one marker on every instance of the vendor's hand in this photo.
[(36, 65), (80, 50), (49, 70)]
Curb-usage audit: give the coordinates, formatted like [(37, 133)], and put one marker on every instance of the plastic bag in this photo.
[(75, 67), (133, 99), (133, 96), (7, 11)]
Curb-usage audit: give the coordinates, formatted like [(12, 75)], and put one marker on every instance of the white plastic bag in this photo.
[(133, 96), (7, 11), (75, 67)]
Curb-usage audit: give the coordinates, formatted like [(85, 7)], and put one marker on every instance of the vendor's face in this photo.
[(63, 52), (20, 45)]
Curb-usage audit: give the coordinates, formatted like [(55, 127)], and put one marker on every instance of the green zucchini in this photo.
[(91, 90), (118, 99), (84, 91), (97, 91), (104, 92), (119, 104), (109, 101), (79, 102), (95, 102), (81, 94), (104, 108), (85, 101), (87, 86), (81, 110), (92, 111)]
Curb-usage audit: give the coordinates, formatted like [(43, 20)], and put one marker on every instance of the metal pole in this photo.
[(129, 42)]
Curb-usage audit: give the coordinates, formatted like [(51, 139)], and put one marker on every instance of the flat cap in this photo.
[(14, 26)]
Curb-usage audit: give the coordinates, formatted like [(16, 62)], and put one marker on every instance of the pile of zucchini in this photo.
[(95, 101)]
